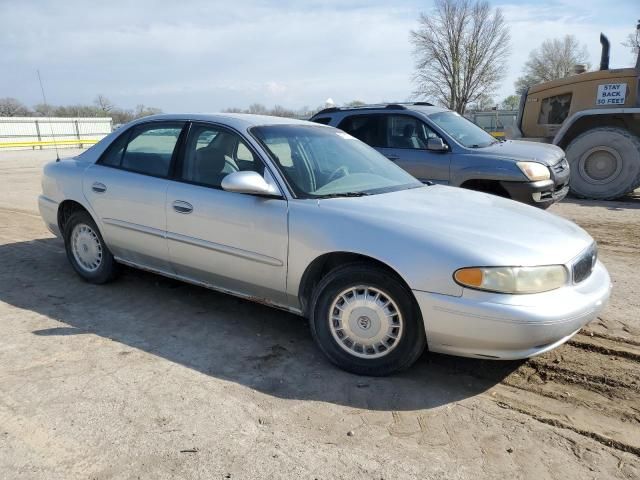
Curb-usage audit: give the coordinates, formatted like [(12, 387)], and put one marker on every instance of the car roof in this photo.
[(235, 120), (422, 107)]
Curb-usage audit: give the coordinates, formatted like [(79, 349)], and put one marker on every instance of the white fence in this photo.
[(22, 133)]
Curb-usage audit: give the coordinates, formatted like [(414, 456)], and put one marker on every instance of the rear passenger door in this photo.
[(127, 190)]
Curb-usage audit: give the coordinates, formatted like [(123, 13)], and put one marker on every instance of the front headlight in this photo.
[(513, 279), (534, 171)]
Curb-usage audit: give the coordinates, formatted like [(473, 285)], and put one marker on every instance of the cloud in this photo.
[(204, 55)]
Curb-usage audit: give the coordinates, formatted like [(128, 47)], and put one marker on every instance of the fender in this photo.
[(569, 122), (506, 171)]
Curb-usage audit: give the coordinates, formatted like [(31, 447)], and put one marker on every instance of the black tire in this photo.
[(619, 174), (411, 343), (107, 269)]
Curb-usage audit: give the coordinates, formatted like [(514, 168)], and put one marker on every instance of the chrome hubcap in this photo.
[(600, 165), (365, 322), (86, 247)]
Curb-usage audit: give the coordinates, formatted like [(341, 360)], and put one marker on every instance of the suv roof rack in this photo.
[(376, 106)]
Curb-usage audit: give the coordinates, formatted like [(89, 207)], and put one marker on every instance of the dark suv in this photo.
[(438, 145)]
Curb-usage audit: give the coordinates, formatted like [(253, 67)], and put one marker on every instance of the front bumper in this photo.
[(487, 325), (543, 193)]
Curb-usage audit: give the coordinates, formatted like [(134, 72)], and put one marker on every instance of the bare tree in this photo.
[(104, 104), (355, 103), (11, 107), (554, 59), (257, 108), (482, 104), (633, 42), (43, 110), (461, 51), (143, 111)]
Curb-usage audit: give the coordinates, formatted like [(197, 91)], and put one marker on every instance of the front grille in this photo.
[(561, 166), (583, 267)]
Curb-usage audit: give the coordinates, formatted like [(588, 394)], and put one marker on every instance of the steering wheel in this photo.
[(339, 172)]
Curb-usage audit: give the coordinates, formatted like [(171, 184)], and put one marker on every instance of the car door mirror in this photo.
[(437, 145), (249, 182)]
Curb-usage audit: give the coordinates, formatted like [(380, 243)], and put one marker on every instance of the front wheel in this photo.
[(366, 321), (86, 250)]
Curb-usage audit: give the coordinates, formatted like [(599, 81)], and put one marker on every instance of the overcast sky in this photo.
[(205, 55)]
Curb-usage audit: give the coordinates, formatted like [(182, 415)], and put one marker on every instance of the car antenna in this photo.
[(44, 99)]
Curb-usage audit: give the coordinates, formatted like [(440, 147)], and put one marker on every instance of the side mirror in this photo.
[(249, 182), (437, 145)]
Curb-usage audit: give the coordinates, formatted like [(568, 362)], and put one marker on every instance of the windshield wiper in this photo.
[(344, 194)]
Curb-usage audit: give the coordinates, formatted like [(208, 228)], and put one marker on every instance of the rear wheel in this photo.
[(366, 322), (605, 163), (86, 250)]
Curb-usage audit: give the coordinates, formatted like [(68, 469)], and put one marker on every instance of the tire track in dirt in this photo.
[(591, 387)]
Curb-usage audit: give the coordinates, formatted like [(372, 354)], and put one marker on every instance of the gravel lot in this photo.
[(151, 378)]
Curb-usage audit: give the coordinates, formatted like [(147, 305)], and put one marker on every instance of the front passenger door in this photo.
[(232, 241), (405, 142)]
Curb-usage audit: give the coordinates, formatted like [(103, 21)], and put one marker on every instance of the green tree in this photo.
[(510, 103)]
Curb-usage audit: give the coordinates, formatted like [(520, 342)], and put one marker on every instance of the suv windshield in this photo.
[(325, 162), (462, 130)]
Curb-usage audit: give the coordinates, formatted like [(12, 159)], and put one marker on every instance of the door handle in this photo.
[(393, 158), (181, 206), (99, 187)]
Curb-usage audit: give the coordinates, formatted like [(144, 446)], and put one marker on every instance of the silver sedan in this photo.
[(306, 218)]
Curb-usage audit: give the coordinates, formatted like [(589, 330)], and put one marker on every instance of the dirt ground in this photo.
[(151, 378)]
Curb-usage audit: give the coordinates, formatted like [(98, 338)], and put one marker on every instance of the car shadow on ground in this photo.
[(628, 202), (222, 336)]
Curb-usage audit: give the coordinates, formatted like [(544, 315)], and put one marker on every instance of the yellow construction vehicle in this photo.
[(595, 117)]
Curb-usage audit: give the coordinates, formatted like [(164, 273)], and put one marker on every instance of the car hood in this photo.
[(472, 228), (523, 151)]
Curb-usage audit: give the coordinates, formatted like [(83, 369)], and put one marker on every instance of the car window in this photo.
[(211, 153), (113, 155), (150, 148), (554, 110), (405, 131), (323, 120), (367, 128), (319, 162), (462, 130)]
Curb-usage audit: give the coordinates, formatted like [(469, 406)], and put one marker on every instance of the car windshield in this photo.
[(462, 130), (326, 162)]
